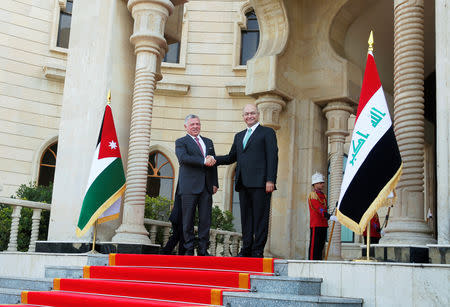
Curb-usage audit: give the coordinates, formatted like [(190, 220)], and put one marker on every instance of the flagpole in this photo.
[(93, 251), (329, 241), (109, 97), (368, 241)]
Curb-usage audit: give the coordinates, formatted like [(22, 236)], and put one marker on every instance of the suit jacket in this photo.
[(258, 162), (194, 175)]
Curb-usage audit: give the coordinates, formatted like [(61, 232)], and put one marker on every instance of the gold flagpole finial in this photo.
[(109, 97), (370, 41)]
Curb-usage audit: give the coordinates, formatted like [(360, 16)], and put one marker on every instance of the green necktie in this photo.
[(247, 136)]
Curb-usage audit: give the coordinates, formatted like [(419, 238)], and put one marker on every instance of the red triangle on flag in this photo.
[(109, 145)]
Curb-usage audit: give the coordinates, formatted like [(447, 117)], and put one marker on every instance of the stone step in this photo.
[(35, 284), (10, 296), (64, 272), (286, 285), (258, 299)]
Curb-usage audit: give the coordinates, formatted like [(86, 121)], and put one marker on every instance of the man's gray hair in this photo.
[(189, 117)]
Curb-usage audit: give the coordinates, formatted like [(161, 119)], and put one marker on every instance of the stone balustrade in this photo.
[(222, 242), (17, 205)]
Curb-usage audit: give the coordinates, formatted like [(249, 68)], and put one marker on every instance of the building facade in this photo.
[(301, 62)]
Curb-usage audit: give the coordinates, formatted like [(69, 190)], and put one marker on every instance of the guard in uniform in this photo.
[(375, 230), (318, 217)]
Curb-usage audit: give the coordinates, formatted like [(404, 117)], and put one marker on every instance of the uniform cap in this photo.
[(316, 178)]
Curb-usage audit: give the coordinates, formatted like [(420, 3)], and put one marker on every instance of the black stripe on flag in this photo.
[(379, 167)]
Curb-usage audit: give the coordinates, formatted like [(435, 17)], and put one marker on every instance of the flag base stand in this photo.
[(365, 259)]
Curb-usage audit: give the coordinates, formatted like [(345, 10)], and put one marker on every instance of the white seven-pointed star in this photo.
[(112, 145)]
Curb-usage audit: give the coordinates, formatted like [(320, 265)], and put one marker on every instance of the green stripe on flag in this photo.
[(108, 182)]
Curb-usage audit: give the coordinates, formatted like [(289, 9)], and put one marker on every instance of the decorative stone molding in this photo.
[(150, 17), (408, 225), (54, 72), (337, 114), (236, 90), (270, 106), (177, 89), (274, 32)]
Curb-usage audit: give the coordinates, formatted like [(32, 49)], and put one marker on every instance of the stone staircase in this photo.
[(284, 291), (266, 290), (12, 287)]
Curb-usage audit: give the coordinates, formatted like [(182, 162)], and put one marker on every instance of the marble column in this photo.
[(337, 114), (407, 225), (443, 119), (150, 17)]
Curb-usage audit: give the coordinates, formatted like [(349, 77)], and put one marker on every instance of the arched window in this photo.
[(249, 38), (173, 54), (160, 177), (347, 236), (65, 19), (47, 165), (235, 207)]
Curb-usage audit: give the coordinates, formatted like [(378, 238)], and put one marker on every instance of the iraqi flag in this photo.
[(374, 164), (106, 183)]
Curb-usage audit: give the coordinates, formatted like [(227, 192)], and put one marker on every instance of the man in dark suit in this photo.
[(256, 152), (197, 183)]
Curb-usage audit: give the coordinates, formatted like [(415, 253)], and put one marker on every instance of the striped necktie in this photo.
[(199, 146)]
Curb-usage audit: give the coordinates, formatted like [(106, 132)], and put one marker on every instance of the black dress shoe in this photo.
[(243, 254), (189, 253), (258, 255), (203, 253)]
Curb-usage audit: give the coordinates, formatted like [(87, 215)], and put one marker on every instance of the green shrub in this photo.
[(157, 208), (221, 219), (30, 192)]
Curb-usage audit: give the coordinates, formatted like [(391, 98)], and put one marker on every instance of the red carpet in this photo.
[(153, 280), (219, 263)]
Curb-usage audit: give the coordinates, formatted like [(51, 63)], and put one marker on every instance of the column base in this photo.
[(398, 253), (100, 247), (409, 232), (439, 253), (132, 234)]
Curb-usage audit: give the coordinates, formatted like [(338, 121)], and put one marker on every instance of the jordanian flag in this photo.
[(106, 180), (374, 164)]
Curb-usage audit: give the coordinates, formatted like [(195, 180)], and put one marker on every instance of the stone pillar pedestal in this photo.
[(150, 17), (407, 225), (337, 114)]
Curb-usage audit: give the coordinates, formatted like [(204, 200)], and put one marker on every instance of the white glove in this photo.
[(382, 232), (333, 218)]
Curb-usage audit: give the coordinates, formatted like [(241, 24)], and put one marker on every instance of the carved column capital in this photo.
[(150, 17), (337, 114), (270, 106)]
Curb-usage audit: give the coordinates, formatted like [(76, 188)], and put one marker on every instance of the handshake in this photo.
[(210, 161)]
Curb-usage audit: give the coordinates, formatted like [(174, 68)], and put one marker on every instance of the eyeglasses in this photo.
[(250, 113)]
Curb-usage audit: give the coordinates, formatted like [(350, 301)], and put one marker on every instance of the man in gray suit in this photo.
[(197, 183)]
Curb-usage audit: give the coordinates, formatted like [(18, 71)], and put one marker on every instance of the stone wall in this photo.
[(31, 87)]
